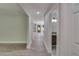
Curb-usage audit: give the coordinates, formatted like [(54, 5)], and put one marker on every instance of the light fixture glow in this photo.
[(54, 20), (37, 12)]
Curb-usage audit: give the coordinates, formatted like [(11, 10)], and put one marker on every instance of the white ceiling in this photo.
[(32, 8)]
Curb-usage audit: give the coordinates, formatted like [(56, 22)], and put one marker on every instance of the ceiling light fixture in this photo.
[(37, 12), (54, 20)]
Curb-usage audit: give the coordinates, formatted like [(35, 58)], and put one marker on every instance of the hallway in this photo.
[(17, 29)]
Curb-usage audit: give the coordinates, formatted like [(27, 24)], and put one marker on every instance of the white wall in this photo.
[(13, 24), (47, 31), (39, 22), (66, 29), (54, 27)]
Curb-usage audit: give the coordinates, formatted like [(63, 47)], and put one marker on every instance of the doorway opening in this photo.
[(37, 34), (54, 34), (55, 31)]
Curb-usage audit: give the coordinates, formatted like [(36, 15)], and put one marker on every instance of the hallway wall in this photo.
[(47, 31), (48, 28), (13, 24)]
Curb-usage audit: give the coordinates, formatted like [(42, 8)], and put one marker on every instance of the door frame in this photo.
[(58, 30)]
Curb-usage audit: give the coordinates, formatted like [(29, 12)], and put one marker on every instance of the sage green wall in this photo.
[(13, 24)]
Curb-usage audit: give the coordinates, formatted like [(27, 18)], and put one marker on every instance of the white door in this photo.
[(75, 41)]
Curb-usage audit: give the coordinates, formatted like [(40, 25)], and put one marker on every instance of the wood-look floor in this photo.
[(37, 49)]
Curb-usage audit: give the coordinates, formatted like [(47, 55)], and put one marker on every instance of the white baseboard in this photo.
[(29, 45), (47, 48), (13, 42)]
